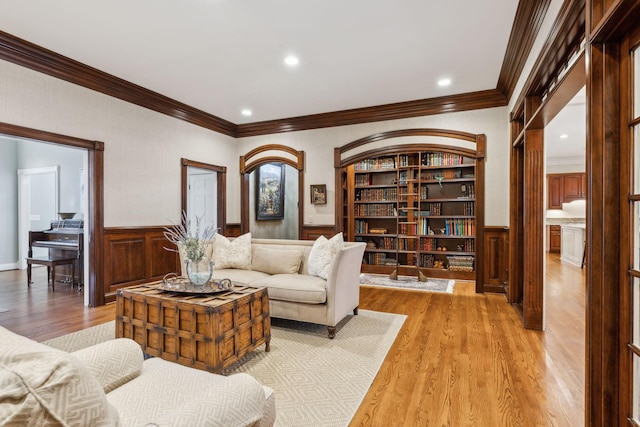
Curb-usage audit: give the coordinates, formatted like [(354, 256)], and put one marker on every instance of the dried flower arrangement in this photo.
[(190, 237)]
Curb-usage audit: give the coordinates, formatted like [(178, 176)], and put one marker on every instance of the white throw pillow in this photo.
[(232, 253), (322, 254)]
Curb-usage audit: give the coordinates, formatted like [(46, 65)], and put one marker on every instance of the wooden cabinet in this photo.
[(555, 239), (414, 210), (565, 188), (554, 191)]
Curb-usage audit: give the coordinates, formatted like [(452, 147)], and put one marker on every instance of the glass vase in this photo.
[(199, 272)]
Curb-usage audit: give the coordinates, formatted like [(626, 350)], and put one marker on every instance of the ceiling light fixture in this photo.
[(246, 112), (291, 61), (564, 136), (444, 82)]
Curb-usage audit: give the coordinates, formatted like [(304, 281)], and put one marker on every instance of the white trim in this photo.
[(14, 266), (23, 206)]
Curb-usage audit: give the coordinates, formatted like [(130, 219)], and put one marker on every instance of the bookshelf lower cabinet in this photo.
[(414, 210)]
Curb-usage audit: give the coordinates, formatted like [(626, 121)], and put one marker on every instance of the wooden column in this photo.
[(603, 233), (516, 230), (533, 278)]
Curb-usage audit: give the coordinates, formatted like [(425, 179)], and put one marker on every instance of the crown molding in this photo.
[(402, 110), (29, 55), (565, 37), (526, 25)]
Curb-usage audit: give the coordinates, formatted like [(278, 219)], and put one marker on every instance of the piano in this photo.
[(65, 238)]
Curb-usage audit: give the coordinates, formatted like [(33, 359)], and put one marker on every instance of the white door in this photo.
[(37, 206), (202, 197)]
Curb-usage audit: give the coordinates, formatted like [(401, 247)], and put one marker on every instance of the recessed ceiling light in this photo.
[(564, 136), (291, 60), (444, 82), (246, 112)]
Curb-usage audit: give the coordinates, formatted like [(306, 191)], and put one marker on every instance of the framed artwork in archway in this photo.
[(270, 191)]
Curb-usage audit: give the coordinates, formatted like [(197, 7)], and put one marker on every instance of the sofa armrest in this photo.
[(238, 400), (113, 363), (343, 284)]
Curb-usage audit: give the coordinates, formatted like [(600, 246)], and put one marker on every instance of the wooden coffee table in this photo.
[(204, 331)]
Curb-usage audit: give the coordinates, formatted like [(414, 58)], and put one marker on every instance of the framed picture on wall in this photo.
[(319, 194), (270, 191)]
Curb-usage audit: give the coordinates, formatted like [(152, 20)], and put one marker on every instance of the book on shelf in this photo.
[(378, 231)]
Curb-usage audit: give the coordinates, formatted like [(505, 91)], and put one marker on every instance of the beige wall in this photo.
[(318, 146), (143, 148)]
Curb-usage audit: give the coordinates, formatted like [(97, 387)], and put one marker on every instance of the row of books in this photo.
[(375, 209), (376, 164), (460, 263), (363, 179), (468, 190), (362, 227), (441, 159), (378, 259), (460, 227), (376, 194), (469, 208), (405, 160), (433, 209)]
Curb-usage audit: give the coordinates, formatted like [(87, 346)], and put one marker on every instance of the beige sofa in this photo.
[(283, 267), (110, 384)]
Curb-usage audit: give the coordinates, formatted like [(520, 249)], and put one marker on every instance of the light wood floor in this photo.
[(459, 360)]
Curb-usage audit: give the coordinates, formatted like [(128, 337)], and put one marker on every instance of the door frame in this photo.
[(94, 217), (24, 204), (221, 201)]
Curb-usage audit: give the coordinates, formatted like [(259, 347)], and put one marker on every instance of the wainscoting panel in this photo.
[(134, 255), (496, 258), (312, 232)]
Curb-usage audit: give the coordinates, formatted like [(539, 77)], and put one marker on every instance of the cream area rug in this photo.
[(408, 282), (317, 381)]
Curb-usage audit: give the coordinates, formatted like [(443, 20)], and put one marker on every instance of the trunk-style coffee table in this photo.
[(204, 331)]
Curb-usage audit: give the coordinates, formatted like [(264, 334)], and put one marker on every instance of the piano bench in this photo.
[(51, 263)]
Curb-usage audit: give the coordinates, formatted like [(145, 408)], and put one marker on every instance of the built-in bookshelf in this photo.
[(414, 210)]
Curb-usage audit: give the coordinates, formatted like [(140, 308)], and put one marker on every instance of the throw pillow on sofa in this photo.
[(232, 253), (322, 254), (276, 261), (40, 385)]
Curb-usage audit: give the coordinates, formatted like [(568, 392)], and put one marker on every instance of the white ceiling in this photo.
[(222, 56)]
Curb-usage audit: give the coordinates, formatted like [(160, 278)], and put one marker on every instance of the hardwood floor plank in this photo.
[(459, 360)]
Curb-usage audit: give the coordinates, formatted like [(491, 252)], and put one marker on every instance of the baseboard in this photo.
[(14, 266)]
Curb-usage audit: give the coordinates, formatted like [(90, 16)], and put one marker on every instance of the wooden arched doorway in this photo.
[(272, 153)]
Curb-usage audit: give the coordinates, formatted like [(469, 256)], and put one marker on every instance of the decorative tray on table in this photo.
[(174, 283)]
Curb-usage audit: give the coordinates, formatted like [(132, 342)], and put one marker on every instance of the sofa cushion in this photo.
[(164, 388), (239, 276), (232, 253), (40, 385), (276, 261), (322, 254), (111, 371), (238, 400), (294, 288)]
